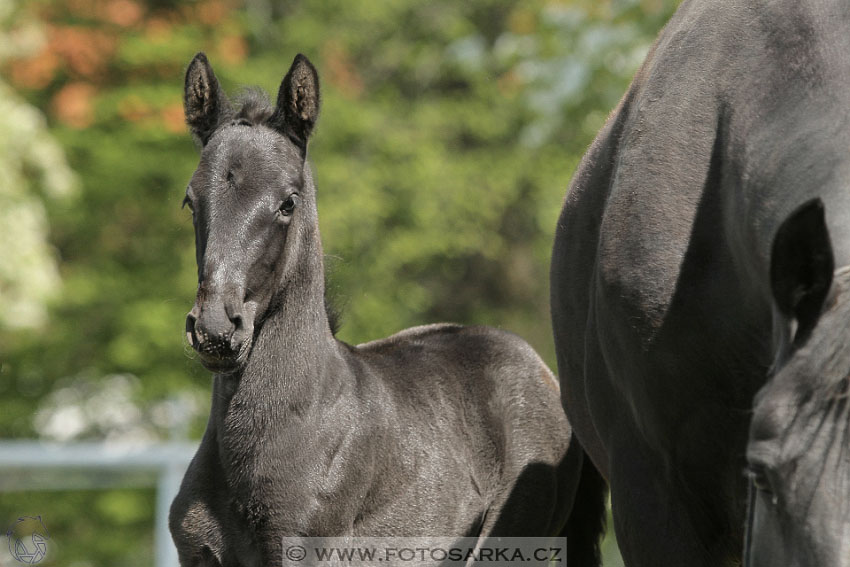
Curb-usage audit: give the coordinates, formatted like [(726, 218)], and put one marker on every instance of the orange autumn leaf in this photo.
[(74, 104), (158, 30), (124, 13), (34, 72), (212, 12), (341, 72), (86, 51), (173, 118), (232, 49)]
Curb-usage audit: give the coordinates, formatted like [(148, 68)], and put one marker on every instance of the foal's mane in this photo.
[(253, 106)]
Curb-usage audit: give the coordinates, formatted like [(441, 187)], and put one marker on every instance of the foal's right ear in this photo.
[(204, 102)]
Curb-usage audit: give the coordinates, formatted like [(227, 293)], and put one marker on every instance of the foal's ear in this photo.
[(204, 102), (801, 265), (298, 102)]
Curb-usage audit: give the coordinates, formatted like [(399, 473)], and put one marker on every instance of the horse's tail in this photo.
[(586, 524)]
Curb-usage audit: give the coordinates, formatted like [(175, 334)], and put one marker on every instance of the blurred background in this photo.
[(448, 134)]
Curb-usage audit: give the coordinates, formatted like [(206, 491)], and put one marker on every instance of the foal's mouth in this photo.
[(220, 363)]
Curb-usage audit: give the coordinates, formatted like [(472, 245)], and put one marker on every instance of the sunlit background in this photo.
[(448, 134)]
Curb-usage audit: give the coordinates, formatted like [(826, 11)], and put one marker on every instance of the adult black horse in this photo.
[(702, 329), (437, 431)]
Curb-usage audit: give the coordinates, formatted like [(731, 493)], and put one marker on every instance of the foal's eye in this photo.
[(288, 206)]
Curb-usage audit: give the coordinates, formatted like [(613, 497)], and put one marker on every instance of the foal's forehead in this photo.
[(249, 152)]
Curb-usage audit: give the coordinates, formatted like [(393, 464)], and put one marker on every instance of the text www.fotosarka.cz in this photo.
[(422, 551)]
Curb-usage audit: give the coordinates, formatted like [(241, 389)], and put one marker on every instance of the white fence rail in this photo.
[(33, 465)]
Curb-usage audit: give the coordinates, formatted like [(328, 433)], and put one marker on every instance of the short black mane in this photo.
[(253, 107)]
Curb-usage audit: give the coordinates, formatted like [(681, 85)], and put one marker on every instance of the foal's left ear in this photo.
[(298, 102)]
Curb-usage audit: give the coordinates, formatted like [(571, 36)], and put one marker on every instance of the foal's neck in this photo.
[(288, 368)]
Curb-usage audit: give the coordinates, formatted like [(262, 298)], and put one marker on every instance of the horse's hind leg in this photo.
[(650, 518)]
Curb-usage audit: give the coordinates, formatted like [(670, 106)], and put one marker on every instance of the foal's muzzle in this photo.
[(218, 333)]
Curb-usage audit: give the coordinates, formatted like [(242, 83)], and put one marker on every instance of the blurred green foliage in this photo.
[(448, 134)]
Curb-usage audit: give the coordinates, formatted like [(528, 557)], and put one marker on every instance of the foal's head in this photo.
[(253, 207)]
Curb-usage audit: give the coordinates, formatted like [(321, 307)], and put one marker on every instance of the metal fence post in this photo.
[(165, 554)]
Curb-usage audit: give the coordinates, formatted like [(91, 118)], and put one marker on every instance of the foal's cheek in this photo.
[(264, 273)]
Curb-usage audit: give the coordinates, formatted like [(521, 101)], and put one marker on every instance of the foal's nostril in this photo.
[(237, 322), (190, 329)]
